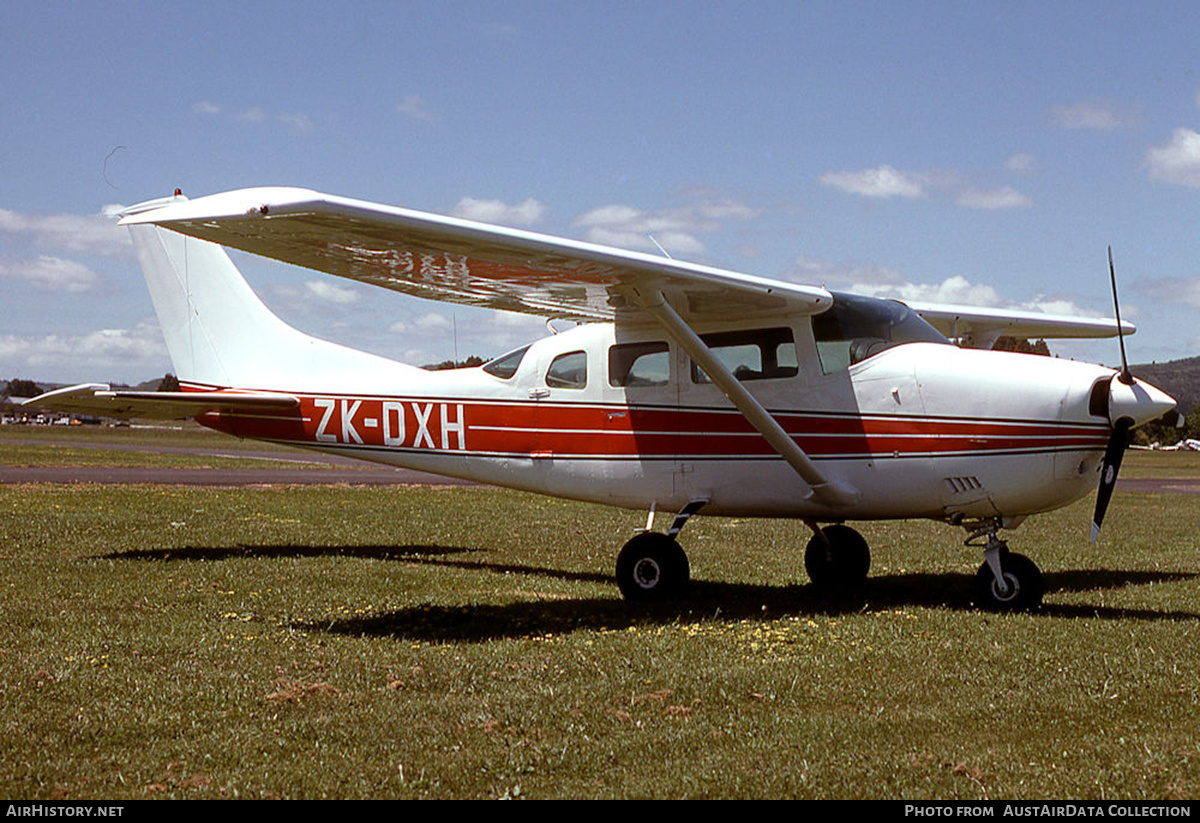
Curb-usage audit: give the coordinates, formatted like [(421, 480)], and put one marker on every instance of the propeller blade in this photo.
[(1126, 377), (1113, 454)]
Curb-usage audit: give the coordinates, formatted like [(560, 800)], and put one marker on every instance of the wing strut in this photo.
[(830, 492)]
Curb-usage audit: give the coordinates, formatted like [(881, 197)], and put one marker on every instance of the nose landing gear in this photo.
[(1006, 581)]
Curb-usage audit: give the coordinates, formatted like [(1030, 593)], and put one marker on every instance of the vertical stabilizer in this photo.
[(218, 332)]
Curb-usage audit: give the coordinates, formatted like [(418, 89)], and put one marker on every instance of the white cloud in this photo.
[(1020, 163), (1174, 290), (88, 356), (957, 290), (296, 120), (1178, 160), (72, 233), (816, 272), (954, 290), (413, 106), (1097, 115), (256, 114), (675, 229), (331, 293), (327, 299), (881, 182), (992, 199), (50, 273), (252, 115), (527, 213), (677, 243), (873, 280), (884, 182), (427, 322), (433, 320), (435, 336)]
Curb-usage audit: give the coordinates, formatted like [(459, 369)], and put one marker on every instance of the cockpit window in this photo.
[(753, 354), (506, 365), (855, 328), (636, 365), (568, 371)]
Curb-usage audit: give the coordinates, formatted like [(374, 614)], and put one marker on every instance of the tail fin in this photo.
[(219, 333)]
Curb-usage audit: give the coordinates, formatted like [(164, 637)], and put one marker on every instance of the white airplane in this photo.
[(683, 388)]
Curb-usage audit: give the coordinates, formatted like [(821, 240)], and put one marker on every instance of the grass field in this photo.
[(179, 446), (345, 642)]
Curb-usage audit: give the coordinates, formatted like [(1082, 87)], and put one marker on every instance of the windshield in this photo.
[(855, 328), (506, 365)]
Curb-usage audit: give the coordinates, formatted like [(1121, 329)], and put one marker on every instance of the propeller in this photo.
[(1113, 454), (1118, 441), (1125, 377)]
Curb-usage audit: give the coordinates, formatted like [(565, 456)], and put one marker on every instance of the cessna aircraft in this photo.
[(683, 387)]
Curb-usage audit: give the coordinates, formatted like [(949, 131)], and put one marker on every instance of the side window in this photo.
[(639, 364), (506, 365), (568, 371), (754, 354)]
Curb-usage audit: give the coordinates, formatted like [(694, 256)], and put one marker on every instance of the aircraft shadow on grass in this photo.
[(214, 553), (704, 601)]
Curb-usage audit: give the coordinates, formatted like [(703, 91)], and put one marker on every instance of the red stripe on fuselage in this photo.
[(624, 432)]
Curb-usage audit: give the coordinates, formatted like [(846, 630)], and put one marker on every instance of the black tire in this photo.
[(1026, 585), (652, 567), (839, 562)]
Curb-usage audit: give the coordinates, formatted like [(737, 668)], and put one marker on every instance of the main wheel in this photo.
[(840, 561), (1025, 585), (652, 566)]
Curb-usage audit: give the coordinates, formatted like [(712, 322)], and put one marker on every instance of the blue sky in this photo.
[(981, 153)]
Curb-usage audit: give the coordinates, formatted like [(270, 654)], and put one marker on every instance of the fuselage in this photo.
[(618, 414)]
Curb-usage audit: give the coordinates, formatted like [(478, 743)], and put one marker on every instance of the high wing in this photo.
[(460, 261), (978, 327), (100, 400)]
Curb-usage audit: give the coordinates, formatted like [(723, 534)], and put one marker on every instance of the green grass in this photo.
[(1138, 463), (365, 642), (90, 446), (175, 434)]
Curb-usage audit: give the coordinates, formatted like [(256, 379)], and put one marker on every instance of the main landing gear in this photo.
[(652, 566), (1006, 581), (837, 558)]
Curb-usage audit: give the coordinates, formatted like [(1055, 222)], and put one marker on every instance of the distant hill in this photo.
[(1178, 378)]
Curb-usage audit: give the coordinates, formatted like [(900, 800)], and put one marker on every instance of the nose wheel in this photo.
[(1006, 581)]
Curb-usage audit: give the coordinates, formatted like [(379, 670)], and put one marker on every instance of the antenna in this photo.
[(666, 253)]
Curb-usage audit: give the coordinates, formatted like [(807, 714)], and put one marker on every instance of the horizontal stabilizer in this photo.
[(100, 400)]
